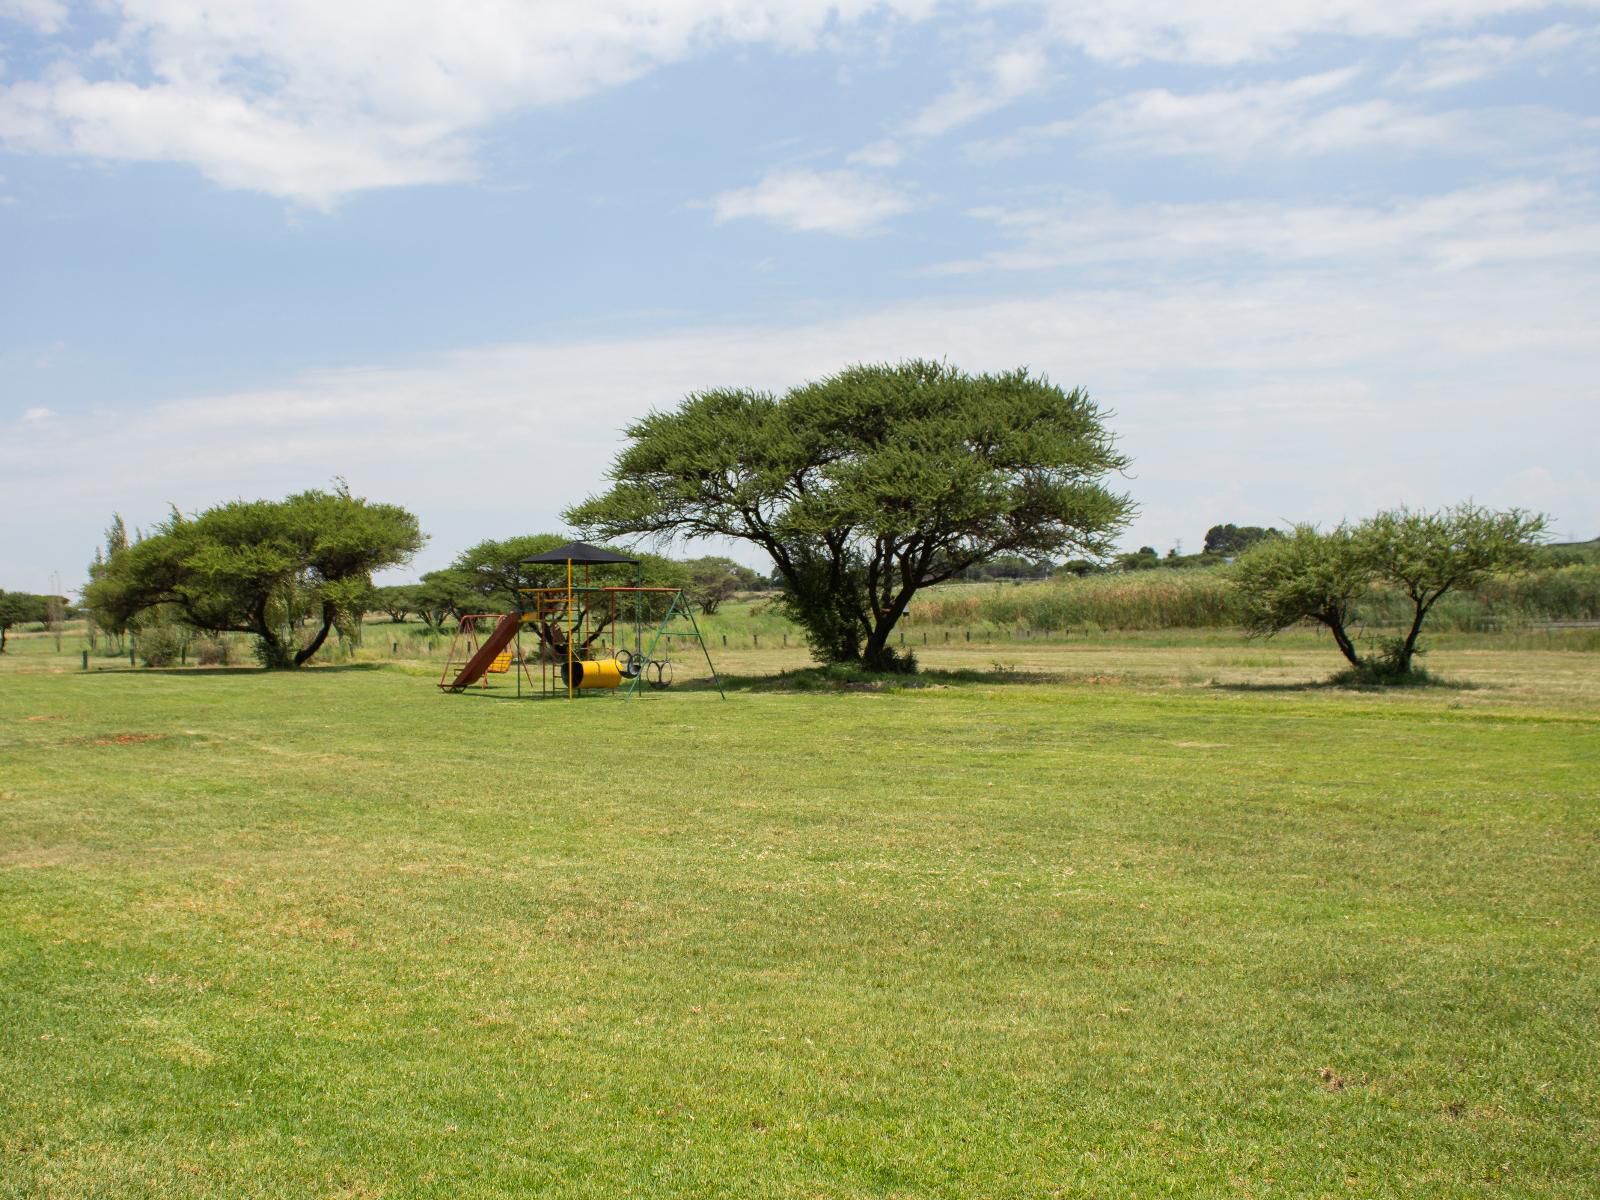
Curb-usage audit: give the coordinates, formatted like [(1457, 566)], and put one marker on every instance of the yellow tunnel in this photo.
[(596, 673)]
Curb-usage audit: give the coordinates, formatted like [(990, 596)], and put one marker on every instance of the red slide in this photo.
[(499, 638)]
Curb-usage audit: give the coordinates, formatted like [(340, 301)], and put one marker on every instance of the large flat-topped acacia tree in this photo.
[(870, 484), (261, 567)]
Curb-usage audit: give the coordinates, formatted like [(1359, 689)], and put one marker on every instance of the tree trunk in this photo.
[(1342, 640), (316, 642), (877, 654), (1408, 648), (275, 655)]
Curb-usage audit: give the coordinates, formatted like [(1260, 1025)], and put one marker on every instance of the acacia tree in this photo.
[(262, 567), (1235, 539), (1306, 576), (492, 571), (19, 608), (1324, 577), (1428, 554), (868, 485), (441, 595), (714, 579)]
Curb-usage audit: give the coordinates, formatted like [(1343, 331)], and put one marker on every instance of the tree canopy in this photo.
[(715, 578), (1236, 539), (868, 485), (1307, 576), (1427, 554), (262, 567), (20, 608)]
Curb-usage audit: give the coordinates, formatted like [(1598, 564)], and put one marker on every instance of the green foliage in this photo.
[(214, 651), (443, 594), (1428, 554), (492, 570), (161, 645), (262, 567), (1146, 600), (1144, 558), (870, 484), (1306, 576), (1568, 554), (1422, 556), (715, 579), (1227, 540), (20, 608), (1011, 566), (398, 600)]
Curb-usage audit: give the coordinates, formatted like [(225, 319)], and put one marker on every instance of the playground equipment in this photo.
[(577, 633)]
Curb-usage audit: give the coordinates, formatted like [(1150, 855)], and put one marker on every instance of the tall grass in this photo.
[(1207, 600), (1142, 600)]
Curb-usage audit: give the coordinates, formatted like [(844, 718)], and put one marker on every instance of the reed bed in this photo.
[(1208, 600)]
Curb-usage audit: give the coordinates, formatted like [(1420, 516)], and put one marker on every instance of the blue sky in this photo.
[(1316, 258)]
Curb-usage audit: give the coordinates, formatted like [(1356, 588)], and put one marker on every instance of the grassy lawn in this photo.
[(1163, 922)]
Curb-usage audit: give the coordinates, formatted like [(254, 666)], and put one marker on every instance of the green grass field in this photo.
[(1144, 917)]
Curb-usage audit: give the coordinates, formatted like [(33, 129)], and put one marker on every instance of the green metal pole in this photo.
[(715, 678)]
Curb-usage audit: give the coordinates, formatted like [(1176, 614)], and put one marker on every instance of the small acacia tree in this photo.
[(714, 579), (441, 595), (399, 600), (491, 572), (1428, 554), (1323, 577), (262, 567), (19, 608), (1306, 576), (871, 484)]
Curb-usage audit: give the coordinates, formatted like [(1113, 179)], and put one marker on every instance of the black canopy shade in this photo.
[(580, 552)]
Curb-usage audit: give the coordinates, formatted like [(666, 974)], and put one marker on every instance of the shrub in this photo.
[(214, 652), (160, 645)]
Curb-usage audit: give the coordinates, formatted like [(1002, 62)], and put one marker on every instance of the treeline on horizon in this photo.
[(1137, 591), (1142, 590)]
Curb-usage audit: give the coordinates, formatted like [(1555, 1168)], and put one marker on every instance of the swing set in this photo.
[(578, 633)]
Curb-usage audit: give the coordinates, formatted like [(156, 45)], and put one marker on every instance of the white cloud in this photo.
[(43, 16), (1309, 392), (1228, 32), (1305, 117), (1004, 78), (1453, 62), (841, 202), (1503, 223), (1290, 117), (36, 416), (884, 153), (235, 143), (310, 100)]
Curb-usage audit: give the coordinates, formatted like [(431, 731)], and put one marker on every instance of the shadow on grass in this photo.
[(241, 672), (841, 679), (1357, 681)]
